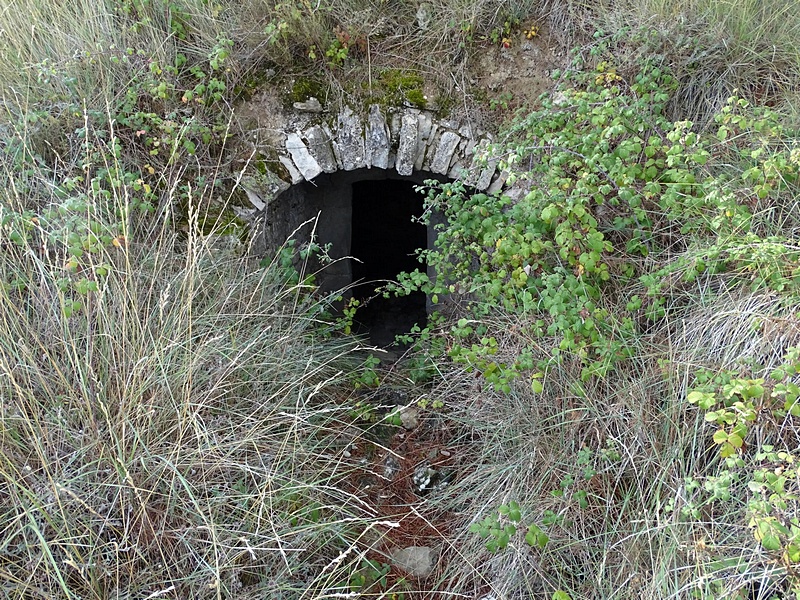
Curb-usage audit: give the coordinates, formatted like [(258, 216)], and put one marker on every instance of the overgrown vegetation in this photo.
[(609, 408)]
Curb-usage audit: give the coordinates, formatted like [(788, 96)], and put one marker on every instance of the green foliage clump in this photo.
[(763, 483), (499, 528), (618, 196)]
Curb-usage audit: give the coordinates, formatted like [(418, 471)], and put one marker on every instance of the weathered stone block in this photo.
[(349, 143), (305, 163), (294, 174), (485, 177), (498, 183), (377, 150), (407, 145), (444, 152), (319, 145)]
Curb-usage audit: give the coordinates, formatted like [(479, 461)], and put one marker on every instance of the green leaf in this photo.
[(771, 542), (735, 440), (536, 386), (703, 399), (536, 537), (793, 553), (559, 595)]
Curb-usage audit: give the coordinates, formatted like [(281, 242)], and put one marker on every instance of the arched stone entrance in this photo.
[(351, 178)]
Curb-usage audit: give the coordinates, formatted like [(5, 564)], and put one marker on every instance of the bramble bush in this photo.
[(618, 201)]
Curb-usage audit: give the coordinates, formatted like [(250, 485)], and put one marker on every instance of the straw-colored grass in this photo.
[(183, 434)]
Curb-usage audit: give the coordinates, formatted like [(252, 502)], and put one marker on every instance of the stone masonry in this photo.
[(409, 140)]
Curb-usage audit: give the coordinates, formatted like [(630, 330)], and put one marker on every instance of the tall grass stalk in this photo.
[(177, 436)]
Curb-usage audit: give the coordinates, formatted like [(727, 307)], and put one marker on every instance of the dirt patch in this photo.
[(508, 78)]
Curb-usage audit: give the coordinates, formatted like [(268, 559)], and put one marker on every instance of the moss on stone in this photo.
[(257, 79), (304, 88), (398, 87)]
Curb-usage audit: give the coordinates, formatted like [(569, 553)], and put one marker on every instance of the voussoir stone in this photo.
[(305, 163), (349, 143), (377, 149), (478, 165), (319, 145), (485, 178), (294, 174), (498, 183), (444, 152), (407, 145)]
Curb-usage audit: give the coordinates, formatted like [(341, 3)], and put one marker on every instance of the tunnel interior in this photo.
[(366, 216), (384, 242)]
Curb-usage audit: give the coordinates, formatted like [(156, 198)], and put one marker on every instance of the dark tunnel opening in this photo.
[(384, 242), (365, 218)]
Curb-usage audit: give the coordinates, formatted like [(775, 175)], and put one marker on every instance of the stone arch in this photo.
[(322, 161), (397, 143), (406, 141)]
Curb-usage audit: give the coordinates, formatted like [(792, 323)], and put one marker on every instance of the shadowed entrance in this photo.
[(384, 241), (366, 218)]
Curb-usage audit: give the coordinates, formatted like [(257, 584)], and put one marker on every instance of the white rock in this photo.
[(417, 561), (293, 172), (409, 417), (301, 157)]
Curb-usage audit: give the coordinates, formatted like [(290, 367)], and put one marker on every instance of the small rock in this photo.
[(391, 467), (255, 199), (409, 417), (311, 105), (444, 453), (417, 561), (424, 478), (424, 15)]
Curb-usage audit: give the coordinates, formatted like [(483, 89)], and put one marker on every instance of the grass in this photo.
[(193, 429), (714, 48), (179, 436)]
